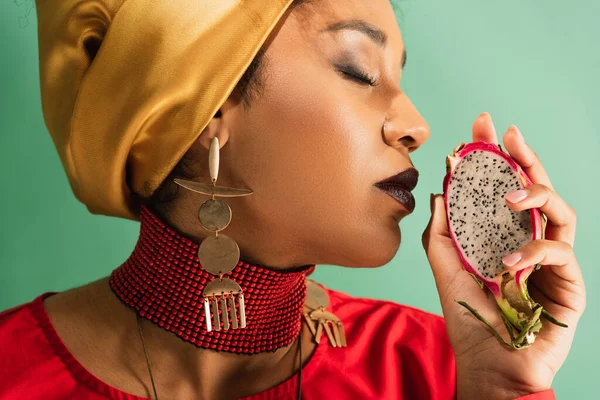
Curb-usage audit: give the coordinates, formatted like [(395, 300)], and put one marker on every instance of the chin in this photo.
[(374, 251)]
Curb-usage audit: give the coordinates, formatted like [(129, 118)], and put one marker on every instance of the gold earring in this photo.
[(218, 254)]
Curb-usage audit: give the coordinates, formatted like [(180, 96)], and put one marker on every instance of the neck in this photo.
[(163, 280)]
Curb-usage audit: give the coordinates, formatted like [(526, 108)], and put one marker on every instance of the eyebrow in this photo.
[(378, 36)]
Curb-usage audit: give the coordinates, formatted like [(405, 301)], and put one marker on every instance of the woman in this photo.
[(149, 103)]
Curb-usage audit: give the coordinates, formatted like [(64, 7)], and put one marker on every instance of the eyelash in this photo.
[(359, 76)]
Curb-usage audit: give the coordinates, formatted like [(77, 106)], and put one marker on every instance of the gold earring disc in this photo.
[(218, 254), (214, 215)]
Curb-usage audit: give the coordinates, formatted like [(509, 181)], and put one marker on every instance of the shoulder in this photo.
[(27, 355), (375, 311), (395, 349), (15, 322), (418, 337), (20, 333)]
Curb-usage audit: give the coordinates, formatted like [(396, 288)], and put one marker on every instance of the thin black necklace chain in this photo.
[(137, 318), (298, 393)]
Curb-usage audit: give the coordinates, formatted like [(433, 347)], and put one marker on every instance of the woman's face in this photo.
[(312, 145)]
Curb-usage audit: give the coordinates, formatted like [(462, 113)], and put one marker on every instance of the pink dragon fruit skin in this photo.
[(478, 176)]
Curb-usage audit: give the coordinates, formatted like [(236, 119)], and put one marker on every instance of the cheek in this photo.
[(312, 160), (318, 147)]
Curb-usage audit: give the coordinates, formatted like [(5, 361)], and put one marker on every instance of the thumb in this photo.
[(438, 224), (438, 244), (453, 283)]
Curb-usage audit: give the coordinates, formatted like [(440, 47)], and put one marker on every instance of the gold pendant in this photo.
[(214, 299), (320, 320)]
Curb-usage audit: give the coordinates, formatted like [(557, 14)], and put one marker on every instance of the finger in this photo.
[(562, 312), (569, 294), (438, 223), (559, 255), (524, 156), (484, 130), (426, 236), (438, 245), (561, 217)]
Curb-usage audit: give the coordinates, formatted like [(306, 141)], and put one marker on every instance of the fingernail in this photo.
[(484, 113), (511, 259), (431, 197), (516, 196), (519, 134)]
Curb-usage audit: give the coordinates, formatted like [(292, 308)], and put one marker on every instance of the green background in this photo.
[(533, 63)]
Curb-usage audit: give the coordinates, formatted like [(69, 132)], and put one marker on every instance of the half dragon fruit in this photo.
[(484, 230)]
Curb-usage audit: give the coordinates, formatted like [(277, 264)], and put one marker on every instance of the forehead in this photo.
[(317, 15)]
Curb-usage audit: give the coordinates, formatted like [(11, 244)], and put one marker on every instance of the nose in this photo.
[(405, 126)]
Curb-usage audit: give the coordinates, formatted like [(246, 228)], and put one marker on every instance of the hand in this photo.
[(486, 368)]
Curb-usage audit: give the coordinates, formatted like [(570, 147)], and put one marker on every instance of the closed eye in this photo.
[(357, 75)]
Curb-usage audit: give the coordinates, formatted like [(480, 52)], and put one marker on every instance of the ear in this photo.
[(219, 126), (215, 128)]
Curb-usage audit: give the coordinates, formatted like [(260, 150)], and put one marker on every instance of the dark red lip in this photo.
[(399, 187)]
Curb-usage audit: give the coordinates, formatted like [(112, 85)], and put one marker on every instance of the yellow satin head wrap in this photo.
[(128, 85)]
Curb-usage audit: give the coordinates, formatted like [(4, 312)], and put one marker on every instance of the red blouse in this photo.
[(394, 352)]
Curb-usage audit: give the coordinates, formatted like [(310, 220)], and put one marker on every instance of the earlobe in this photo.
[(219, 124), (215, 128)]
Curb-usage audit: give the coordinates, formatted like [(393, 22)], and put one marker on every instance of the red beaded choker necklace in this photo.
[(163, 280)]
